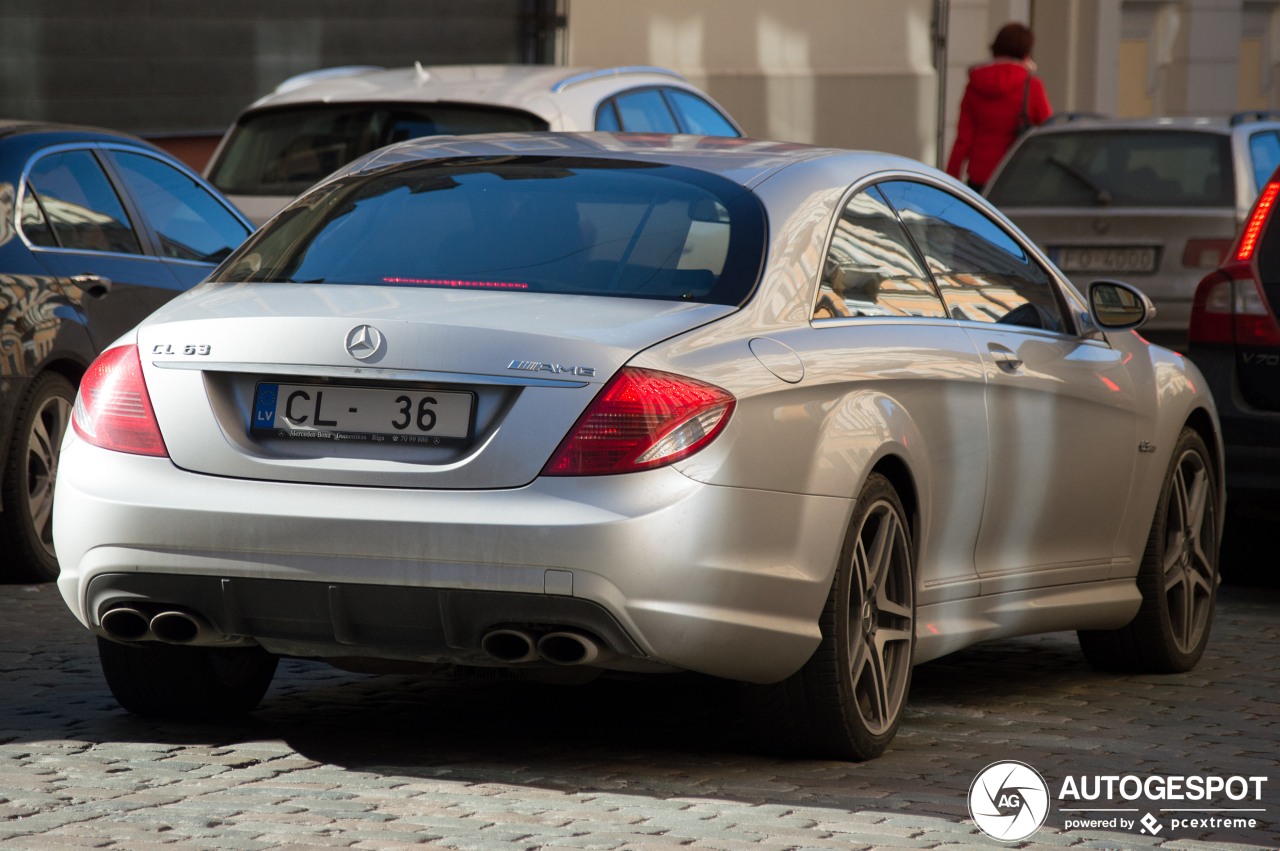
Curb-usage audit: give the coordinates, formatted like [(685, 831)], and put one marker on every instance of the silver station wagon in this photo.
[(1156, 202)]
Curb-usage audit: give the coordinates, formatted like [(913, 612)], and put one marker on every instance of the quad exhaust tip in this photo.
[(176, 627), (509, 645), (568, 648), (126, 624), (513, 646)]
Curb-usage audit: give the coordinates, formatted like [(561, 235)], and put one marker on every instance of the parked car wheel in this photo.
[(1178, 577), (30, 473), (847, 701), (186, 683)]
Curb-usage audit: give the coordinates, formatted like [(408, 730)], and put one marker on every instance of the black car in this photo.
[(97, 230), (1235, 340)]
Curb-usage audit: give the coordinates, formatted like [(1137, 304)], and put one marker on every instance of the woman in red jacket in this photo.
[(1003, 98)]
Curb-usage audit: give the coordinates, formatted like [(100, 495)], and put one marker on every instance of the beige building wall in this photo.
[(846, 73), (1259, 56), (860, 74), (1197, 57)]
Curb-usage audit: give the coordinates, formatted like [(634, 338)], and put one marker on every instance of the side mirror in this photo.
[(1119, 307)]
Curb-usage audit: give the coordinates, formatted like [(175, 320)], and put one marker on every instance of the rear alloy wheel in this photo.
[(186, 683), (848, 699), (31, 470), (1178, 577)]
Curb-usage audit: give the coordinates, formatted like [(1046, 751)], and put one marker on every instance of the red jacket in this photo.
[(989, 116)]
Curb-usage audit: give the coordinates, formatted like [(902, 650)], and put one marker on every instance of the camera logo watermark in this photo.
[(1009, 800)]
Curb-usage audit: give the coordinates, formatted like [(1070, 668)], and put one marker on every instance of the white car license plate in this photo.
[(1106, 259), (374, 414)]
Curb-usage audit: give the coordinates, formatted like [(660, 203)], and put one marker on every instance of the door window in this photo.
[(191, 223), (34, 223), (698, 116), (871, 268), (78, 199), (984, 275), (645, 112), (1265, 150), (607, 118)]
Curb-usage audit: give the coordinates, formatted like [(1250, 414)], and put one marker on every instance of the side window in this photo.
[(192, 224), (1265, 150), (34, 224), (871, 268), (607, 118), (698, 116), (984, 275), (645, 112), (78, 199)]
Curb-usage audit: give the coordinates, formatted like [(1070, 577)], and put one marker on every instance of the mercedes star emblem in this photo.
[(363, 341)]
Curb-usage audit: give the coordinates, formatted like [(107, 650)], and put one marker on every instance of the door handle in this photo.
[(1004, 358), (94, 286)]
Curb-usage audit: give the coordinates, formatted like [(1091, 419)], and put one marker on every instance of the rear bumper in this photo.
[(1250, 437), (726, 581)]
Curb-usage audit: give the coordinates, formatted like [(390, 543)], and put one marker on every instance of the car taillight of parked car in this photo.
[(113, 408), (642, 419), (1230, 305)]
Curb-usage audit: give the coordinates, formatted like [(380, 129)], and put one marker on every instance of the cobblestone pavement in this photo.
[(333, 759)]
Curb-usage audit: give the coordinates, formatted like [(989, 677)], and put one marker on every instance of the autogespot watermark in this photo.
[(1010, 801)]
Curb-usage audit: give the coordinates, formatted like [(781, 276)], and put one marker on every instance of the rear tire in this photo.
[(186, 683), (848, 699), (30, 471), (1178, 577)]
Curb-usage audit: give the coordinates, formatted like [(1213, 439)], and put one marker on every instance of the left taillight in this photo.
[(642, 419), (113, 408)]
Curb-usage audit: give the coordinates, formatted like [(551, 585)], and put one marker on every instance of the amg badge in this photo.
[(534, 366)]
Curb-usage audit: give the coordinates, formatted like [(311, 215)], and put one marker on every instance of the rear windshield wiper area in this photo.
[(1101, 194)]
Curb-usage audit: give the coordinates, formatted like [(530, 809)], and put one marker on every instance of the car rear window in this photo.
[(284, 151), (519, 224), (1121, 168)]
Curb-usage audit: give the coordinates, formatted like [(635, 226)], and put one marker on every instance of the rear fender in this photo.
[(1174, 391)]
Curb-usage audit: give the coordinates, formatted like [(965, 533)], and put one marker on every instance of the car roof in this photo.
[(528, 87), (1086, 123), (743, 160), (12, 127)]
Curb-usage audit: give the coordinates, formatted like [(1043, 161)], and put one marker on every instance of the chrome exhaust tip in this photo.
[(569, 648), (126, 624), (509, 645), (176, 627)]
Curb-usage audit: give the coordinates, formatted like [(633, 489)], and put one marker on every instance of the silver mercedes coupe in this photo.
[(573, 404)]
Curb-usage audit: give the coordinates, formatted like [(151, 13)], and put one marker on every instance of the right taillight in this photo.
[(642, 419), (1211, 310), (1231, 308), (113, 408)]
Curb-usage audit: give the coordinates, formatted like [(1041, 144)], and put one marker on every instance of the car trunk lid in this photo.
[(530, 362)]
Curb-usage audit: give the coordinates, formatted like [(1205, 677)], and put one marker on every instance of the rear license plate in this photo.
[(373, 414), (1106, 258)]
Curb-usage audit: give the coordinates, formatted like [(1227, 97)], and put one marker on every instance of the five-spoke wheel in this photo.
[(30, 476), (1178, 577), (881, 617), (847, 700), (1189, 556)]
